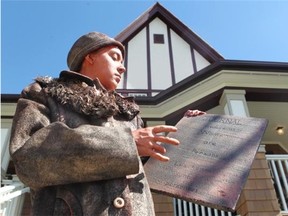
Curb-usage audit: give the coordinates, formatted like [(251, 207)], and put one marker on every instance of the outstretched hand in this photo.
[(148, 141)]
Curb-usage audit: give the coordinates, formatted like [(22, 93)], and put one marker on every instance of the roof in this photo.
[(174, 23)]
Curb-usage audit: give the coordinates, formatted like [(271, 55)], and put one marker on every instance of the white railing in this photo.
[(11, 197), (279, 171), (184, 208)]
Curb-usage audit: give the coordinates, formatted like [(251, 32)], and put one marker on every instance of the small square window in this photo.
[(158, 38)]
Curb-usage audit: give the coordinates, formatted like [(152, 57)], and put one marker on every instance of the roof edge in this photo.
[(240, 65), (157, 10)]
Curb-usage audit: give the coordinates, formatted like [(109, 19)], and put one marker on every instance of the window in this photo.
[(158, 38)]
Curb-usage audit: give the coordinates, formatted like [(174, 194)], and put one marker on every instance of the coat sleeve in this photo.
[(46, 153)]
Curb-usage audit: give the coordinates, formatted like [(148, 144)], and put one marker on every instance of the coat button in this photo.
[(119, 202)]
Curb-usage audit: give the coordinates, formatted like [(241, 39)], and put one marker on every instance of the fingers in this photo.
[(167, 140), (147, 140), (163, 128), (158, 148), (192, 113), (164, 139), (153, 150), (159, 157), (157, 152)]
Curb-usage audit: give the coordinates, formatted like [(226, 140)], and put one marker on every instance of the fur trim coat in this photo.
[(71, 143)]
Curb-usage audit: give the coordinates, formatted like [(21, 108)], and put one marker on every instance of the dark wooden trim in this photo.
[(7, 117), (9, 98), (125, 75), (267, 95), (149, 79), (193, 60), (172, 68)]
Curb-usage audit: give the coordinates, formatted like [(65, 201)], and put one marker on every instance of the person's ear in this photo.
[(89, 59)]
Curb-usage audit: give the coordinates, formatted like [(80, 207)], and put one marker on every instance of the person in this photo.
[(78, 144)]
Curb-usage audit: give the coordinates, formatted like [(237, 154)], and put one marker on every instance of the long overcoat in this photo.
[(72, 144)]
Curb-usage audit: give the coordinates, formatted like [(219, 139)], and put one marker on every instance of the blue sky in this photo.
[(37, 35)]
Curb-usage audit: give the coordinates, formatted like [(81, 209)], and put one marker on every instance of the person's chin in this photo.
[(116, 83), (113, 86), (117, 80)]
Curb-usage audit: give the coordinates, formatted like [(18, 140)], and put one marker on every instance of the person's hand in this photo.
[(192, 113), (148, 141)]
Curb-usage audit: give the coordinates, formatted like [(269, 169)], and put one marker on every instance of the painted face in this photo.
[(107, 66)]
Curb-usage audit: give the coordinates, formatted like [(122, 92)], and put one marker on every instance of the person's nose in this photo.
[(121, 69)]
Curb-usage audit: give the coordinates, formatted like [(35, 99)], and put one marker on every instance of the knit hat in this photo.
[(86, 44)]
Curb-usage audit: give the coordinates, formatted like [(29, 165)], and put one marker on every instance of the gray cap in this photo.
[(86, 44)]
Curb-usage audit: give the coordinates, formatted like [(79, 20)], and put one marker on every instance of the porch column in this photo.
[(234, 103), (258, 196)]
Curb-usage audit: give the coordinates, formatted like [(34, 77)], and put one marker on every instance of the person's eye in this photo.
[(114, 57)]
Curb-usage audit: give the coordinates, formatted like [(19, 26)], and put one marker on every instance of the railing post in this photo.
[(12, 197), (279, 170)]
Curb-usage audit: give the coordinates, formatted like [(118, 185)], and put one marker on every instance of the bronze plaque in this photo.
[(212, 162)]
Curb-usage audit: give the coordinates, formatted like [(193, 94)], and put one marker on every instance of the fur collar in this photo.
[(74, 92)]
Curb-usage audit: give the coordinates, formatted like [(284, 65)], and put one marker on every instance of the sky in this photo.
[(37, 35)]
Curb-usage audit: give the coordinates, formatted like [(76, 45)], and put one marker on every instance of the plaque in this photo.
[(212, 162)]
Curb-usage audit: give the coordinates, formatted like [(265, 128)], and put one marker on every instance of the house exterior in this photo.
[(170, 70)]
